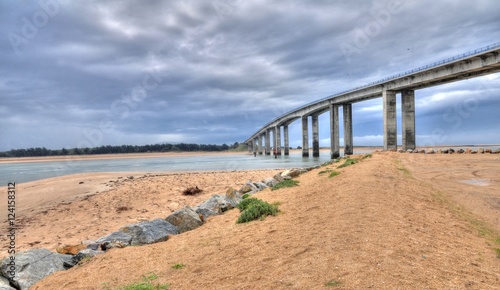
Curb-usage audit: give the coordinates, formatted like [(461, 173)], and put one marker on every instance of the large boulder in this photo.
[(83, 254), (150, 232), (185, 219), (261, 185), (215, 205), (248, 188), (278, 177), (33, 265), (70, 249), (4, 284), (270, 182), (233, 196)]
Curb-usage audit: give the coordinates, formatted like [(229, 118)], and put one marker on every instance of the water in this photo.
[(30, 171)]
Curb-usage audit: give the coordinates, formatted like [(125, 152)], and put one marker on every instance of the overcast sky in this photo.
[(91, 73)]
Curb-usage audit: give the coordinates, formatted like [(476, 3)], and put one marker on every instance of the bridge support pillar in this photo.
[(268, 142), (315, 135), (287, 141), (408, 116), (305, 137), (259, 144), (278, 140), (334, 132), (348, 143), (390, 130)]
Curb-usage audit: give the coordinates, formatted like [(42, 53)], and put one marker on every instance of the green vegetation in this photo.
[(403, 169), (367, 156), (146, 284), (325, 171), (498, 252), (349, 161), (333, 283), (330, 162), (178, 266), (253, 208), (286, 183), (333, 173), (245, 196)]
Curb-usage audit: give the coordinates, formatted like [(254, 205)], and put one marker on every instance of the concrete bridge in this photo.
[(472, 64)]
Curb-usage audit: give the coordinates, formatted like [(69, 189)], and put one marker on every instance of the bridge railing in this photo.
[(419, 69)]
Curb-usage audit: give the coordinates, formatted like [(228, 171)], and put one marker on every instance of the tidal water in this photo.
[(24, 172)]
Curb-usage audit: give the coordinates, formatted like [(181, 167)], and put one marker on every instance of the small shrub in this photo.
[(325, 171), (367, 156), (348, 162), (333, 173), (178, 266), (286, 183), (253, 208), (245, 196), (192, 191)]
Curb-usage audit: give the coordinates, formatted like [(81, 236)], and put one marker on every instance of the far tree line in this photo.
[(108, 149)]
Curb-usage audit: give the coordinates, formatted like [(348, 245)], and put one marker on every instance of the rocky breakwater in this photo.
[(33, 265), (452, 151)]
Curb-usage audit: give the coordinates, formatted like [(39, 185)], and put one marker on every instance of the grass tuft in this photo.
[(253, 209), (325, 171), (286, 183), (333, 283), (367, 156), (146, 284), (245, 196), (333, 174), (498, 252), (348, 162), (178, 266)]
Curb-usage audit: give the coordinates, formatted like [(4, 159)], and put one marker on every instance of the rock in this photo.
[(185, 219), (430, 151), (439, 151), (70, 249), (473, 152), (421, 151), (261, 185), (468, 151), (83, 254), (409, 151), (114, 240), (4, 284), (33, 265), (234, 198), (278, 177), (270, 182), (248, 187), (445, 151), (401, 151), (215, 205), (150, 232), (451, 150), (480, 151), (487, 150), (460, 151), (497, 151)]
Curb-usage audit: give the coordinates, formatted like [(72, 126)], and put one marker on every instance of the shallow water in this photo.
[(30, 171)]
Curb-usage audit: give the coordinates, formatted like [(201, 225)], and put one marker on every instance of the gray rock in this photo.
[(215, 205), (234, 197), (83, 254), (445, 151), (480, 150), (4, 284), (248, 187), (278, 177), (461, 151), (261, 185), (270, 182), (451, 150), (33, 265), (150, 232), (185, 219), (430, 151), (114, 240)]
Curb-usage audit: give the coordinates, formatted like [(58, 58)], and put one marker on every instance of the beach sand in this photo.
[(408, 221)]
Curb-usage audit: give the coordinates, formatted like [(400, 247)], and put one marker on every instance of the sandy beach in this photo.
[(392, 220)]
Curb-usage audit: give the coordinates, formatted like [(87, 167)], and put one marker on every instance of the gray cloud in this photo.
[(217, 71)]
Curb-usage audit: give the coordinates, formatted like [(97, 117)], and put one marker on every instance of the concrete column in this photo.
[(315, 135), (408, 115), (287, 141), (348, 146), (268, 142), (259, 144), (390, 130), (334, 132), (278, 140), (305, 137)]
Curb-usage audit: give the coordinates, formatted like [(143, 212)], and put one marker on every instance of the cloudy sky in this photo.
[(91, 73)]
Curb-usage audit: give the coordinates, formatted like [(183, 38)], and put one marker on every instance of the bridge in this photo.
[(480, 62)]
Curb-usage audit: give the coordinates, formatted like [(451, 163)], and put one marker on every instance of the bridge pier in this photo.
[(334, 132), (278, 140), (259, 144), (315, 135), (287, 141), (268, 142), (390, 130), (348, 146), (408, 116), (305, 137)]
